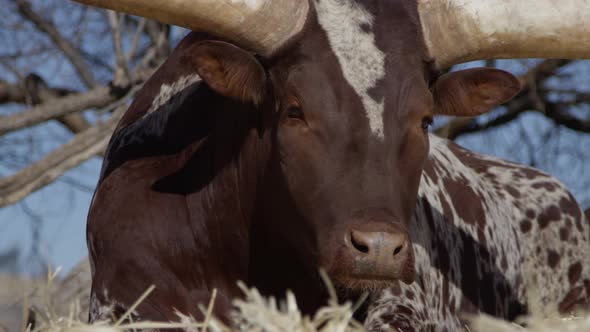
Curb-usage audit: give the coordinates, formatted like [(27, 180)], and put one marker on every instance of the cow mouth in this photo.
[(358, 284), (358, 290), (349, 278)]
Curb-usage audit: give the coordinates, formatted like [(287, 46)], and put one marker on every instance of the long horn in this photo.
[(458, 31), (259, 25)]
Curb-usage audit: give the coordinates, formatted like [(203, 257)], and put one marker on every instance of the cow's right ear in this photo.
[(228, 70), (472, 92)]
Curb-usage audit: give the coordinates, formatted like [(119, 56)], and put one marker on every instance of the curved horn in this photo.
[(259, 25), (464, 30)]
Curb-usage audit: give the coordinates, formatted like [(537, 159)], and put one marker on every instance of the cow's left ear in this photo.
[(474, 91), (228, 70)]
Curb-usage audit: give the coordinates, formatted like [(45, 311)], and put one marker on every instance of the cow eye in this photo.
[(294, 112), (426, 123)]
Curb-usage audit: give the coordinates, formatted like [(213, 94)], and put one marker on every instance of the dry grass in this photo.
[(255, 313), (484, 323)]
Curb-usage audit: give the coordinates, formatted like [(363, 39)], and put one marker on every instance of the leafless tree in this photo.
[(70, 64), (537, 95)]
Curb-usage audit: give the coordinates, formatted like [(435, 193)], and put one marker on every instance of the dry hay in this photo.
[(255, 313), (484, 323)]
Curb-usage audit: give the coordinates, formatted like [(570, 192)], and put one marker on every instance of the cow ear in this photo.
[(228, 70), (474, 91)]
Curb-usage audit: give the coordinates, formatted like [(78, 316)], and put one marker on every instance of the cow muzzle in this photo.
[(379, 253)]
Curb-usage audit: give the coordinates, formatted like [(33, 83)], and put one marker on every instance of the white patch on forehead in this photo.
[(252, 4), (362, 63), (173, 95)]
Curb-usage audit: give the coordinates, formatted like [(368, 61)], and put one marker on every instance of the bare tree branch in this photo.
[(50, 106), (121, 69), (38, 49), (98, 97), (544, 70), (81, 148), (559, 114), (556, 111), (136, 38), (530, 98), (70, 51), (33, 90), (74, 122)]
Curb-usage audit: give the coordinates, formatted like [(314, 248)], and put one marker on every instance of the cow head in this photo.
[(344, 99), (348, 106)]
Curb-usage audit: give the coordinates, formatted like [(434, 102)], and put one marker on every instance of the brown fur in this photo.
[(265, 168)]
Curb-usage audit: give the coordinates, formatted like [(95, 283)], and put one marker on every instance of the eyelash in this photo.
[(294, 112), (426, 123)]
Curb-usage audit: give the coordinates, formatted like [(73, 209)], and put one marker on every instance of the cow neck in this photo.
[(220, 203)]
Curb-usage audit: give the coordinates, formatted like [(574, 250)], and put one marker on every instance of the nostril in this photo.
[(397, 250), (357, 244)]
